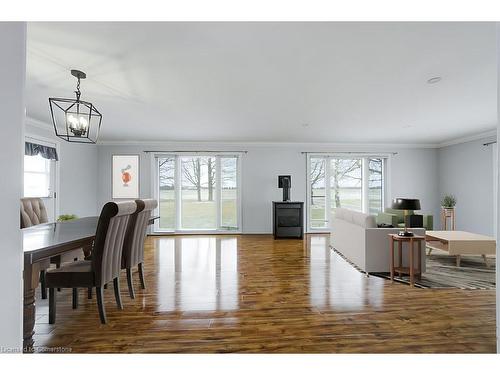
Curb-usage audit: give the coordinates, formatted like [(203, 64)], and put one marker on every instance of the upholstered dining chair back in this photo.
[(133, 246), (33, 212), (108, 243)]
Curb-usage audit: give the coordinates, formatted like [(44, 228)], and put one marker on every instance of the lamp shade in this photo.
[(405, 204)]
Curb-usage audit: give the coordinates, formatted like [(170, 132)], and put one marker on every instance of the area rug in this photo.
[(442, 272)]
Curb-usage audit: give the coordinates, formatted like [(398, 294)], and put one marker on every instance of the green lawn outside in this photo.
[(197, 215)]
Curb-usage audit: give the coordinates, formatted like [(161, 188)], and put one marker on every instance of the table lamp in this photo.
[(405, 204)]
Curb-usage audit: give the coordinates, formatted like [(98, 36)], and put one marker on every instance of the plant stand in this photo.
[(448, 213)]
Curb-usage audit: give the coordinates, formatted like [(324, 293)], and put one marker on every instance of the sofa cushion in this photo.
[(399, 213), (358, 218)]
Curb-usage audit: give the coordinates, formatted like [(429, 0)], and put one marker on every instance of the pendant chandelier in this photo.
[(75, 120)]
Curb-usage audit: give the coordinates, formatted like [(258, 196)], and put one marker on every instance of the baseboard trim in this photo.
[(225, 233), (167, 234)]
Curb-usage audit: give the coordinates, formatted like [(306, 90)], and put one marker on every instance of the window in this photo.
[(355, 183), (375, 186), (37, 176), (198, 192), (318, 193), (229, 192), (166, 167), (198, 207), (345, 184)]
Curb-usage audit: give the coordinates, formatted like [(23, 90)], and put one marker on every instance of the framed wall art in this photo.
[(125, 176)]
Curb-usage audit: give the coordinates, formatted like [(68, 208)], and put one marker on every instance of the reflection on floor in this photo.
[(250, 293)]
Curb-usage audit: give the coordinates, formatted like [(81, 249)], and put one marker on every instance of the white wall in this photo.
[(413, 173), (466, 171), (78, 172), (498, 200), (498, 231), (12, 82), (498, 223)]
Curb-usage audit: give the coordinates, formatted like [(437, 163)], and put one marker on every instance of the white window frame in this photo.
[(177, 186), (365, 184), (47, 171), (44, 141)]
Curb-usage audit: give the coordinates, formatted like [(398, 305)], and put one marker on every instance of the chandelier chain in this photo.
[(77, 92)]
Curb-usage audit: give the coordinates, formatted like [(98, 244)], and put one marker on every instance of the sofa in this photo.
[(356, 236), (396, 218)]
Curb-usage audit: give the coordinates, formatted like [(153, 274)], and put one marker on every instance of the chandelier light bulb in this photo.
[(83, 122), (77, 126), (72, 120)]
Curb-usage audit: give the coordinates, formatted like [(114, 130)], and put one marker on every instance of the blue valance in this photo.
[(46, 152)]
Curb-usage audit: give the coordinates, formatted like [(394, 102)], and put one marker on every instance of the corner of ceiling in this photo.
[(469, 138), (37, 123)]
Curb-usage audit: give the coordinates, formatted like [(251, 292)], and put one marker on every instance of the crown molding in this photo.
[(37, 123), (470, 138), (326, 145), (270, 144), (314, 145)]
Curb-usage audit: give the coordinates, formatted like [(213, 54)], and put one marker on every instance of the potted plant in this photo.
[(66, 217), (448, 201)]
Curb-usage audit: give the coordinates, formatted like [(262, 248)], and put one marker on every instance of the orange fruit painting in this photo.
[(126, 177)]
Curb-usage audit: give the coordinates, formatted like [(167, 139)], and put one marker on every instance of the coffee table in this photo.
[(458, 243)]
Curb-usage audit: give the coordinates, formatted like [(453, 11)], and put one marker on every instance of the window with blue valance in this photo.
[(46, 152)]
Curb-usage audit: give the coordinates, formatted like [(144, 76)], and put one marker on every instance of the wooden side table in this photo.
[(411, 270)]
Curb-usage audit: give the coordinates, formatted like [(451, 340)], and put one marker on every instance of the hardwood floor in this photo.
[(249, 293)]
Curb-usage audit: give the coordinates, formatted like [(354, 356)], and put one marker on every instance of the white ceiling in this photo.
[(350, 82)]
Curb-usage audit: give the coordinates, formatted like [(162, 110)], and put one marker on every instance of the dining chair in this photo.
[(133, 246), (103, 267), (33, 212)]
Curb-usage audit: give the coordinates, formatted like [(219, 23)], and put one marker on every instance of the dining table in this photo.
[(42, 242)]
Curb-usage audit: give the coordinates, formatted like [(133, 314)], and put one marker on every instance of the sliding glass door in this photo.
[(166, 192), (229, 192), (317, 201), (198, 192), (345, 184), (355, 183), (198, 208), (375, 186)]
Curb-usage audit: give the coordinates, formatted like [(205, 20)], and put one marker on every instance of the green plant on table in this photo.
[(448, 201), (66, 217)]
